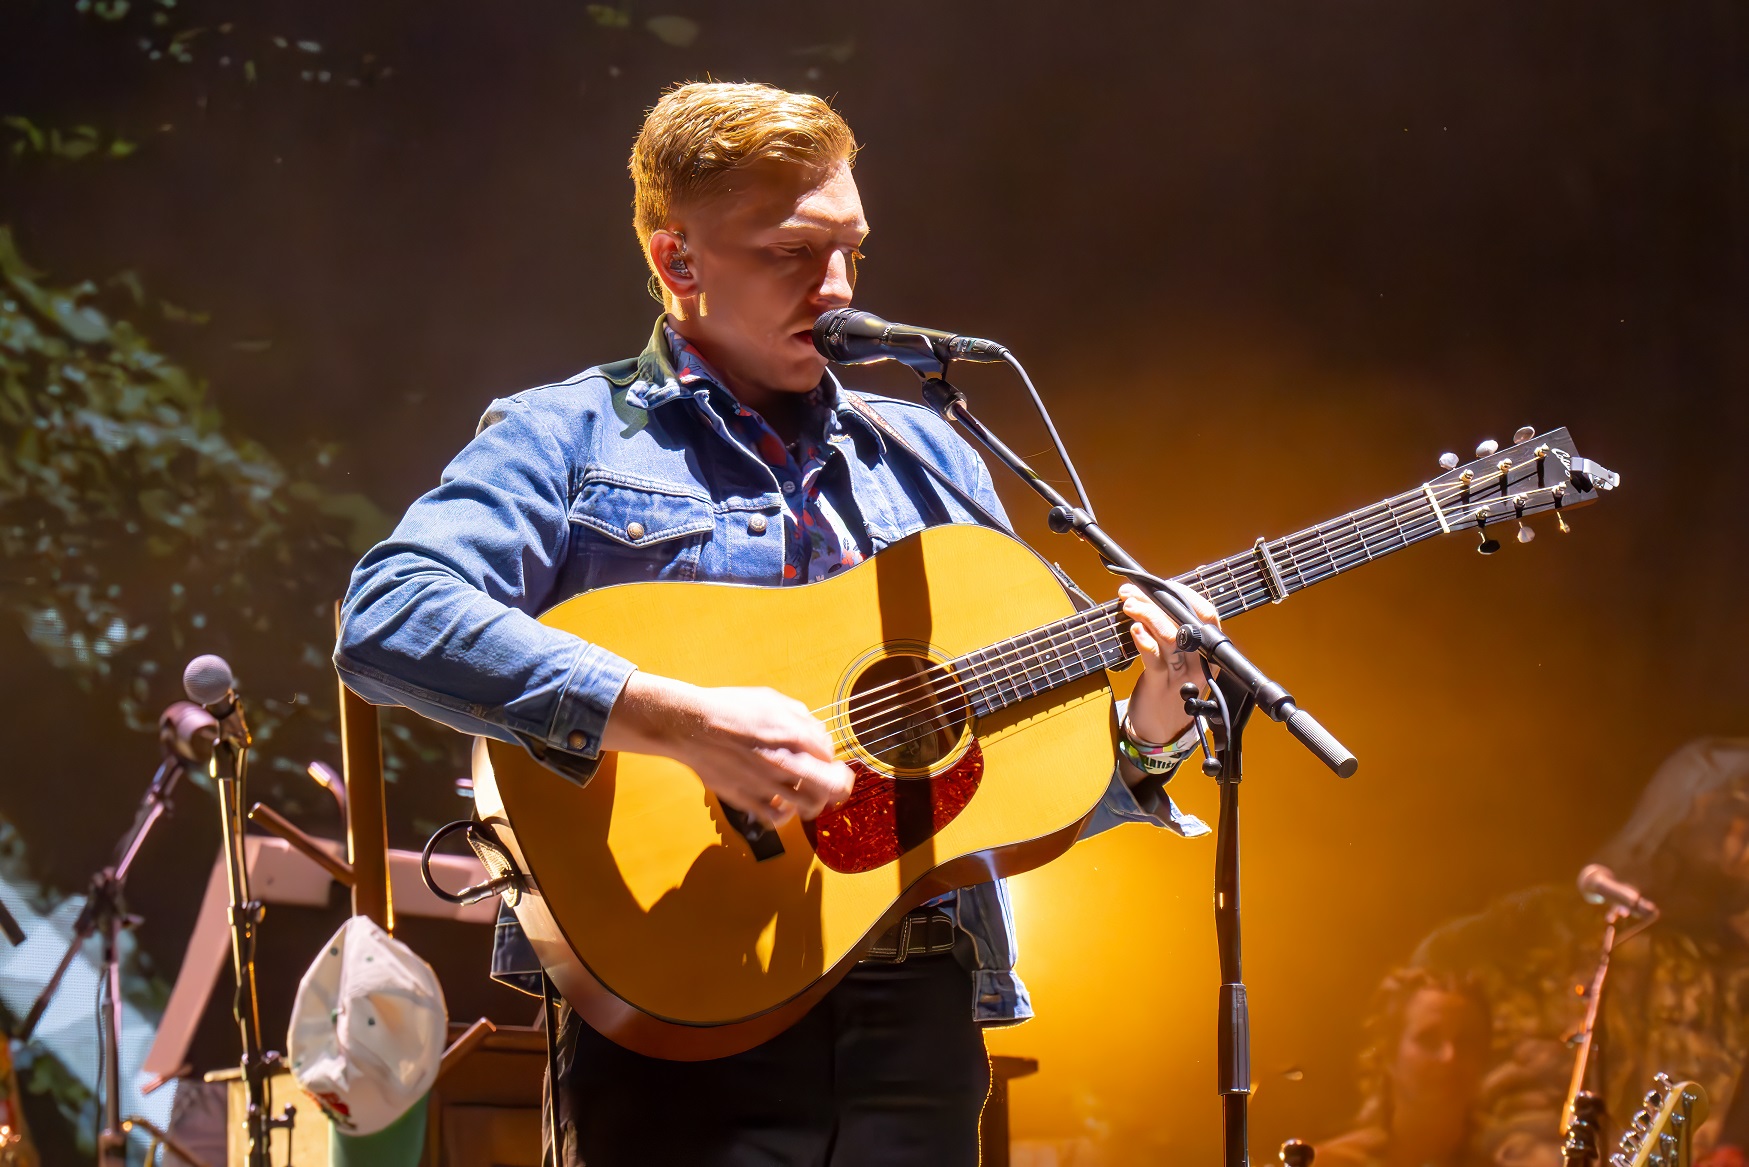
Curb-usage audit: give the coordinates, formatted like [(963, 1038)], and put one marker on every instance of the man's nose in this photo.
[(838, 282)]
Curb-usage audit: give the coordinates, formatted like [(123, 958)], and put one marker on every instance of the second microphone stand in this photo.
[(1238, 689), (105, 913), (230, 761)]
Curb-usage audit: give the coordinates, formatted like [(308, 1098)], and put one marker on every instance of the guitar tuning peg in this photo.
[(1523, 434), (1448, 461), (1488, 545), (1561, 524), (1487, 448), (1525, 534)]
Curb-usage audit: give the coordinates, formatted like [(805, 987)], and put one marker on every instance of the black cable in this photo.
[(1013, 362)]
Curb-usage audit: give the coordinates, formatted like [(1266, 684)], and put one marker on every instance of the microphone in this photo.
[(1599, 885), (852, 337), (187, 732), (208, 681)]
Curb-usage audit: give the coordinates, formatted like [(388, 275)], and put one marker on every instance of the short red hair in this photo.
[(699, 134)]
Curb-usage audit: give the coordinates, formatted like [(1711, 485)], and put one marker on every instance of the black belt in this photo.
[(920, 932)]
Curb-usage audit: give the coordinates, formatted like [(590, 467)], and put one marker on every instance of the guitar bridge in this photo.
[(761, 839)]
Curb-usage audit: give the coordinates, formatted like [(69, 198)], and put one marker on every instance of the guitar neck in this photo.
[(1098, 638)]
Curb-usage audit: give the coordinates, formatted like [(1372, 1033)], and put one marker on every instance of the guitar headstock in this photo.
[(1537, 473), (1662, 1133)]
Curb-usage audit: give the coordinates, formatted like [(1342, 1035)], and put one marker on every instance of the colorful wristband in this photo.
[(1153, 757)]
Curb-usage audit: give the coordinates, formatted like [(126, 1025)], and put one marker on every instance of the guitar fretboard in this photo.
[(1098, 638)]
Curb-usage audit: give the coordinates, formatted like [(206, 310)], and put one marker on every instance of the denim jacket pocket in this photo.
[(628, 530)]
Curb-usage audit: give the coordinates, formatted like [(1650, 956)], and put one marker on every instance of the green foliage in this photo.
[(673, 30), (130, 518), (607, 16), (78, 142)]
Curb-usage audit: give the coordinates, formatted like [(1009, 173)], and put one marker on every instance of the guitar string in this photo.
[(948, 702), (1253, 575), (1083, 633), (985, 669), (1381, 517), (1088, 633)]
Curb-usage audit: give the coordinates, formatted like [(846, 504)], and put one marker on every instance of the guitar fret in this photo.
[(1283, 549), (1080, 665), (1033, 688), (1390, 506), (1325, 545), (1354, 521), (1233, 583)]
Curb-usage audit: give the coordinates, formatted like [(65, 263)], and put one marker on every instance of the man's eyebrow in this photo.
[(825, 227)]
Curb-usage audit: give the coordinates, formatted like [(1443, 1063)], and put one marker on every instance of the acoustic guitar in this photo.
[(968, 694)]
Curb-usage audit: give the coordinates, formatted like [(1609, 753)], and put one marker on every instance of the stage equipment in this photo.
[(208, 681), (851, 337), (1583, 1114), (1599, 885), (1662, 1132), (1295, 1153), (1536, 474), (185, 735), (968, 692)]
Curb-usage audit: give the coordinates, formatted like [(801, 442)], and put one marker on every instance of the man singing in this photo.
[(750, 221)]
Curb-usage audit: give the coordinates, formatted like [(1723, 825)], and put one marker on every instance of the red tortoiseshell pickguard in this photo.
[(885, 817)]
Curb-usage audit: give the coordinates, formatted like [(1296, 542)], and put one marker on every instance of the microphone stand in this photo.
[(1584, 1113), (230, 764), (1238, 690), (106, 912)]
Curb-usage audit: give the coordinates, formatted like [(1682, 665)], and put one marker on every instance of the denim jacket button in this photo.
[(634, 530), (576, 740), (756, 524)]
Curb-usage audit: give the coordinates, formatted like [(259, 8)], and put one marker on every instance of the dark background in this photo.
[(1266, 262)]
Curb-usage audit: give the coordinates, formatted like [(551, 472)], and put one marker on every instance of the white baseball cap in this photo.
[(368, 1029)]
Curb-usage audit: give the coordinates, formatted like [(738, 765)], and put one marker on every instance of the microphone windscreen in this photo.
[(834, 331), (207, 679)]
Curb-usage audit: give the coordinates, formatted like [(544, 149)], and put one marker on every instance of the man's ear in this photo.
[(671, 263)]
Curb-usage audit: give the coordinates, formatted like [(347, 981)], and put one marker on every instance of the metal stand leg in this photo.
[(1233, 1024)]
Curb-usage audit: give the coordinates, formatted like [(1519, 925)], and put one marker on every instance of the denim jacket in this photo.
[(616, 475)]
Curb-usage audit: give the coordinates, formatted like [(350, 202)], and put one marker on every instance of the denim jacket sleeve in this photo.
[(1120, 806), (440, 617)]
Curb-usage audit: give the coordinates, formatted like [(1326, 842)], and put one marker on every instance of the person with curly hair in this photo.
[(1427, 1049)]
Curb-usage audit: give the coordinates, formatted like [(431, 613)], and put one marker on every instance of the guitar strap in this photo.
[(885, 428), (979, 511)]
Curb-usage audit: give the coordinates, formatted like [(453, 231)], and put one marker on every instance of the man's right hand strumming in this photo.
[(757, 750)]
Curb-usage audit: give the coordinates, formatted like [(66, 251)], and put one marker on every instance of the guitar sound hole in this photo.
[(908, 713)]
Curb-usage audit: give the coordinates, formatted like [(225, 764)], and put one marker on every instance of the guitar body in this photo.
[(651, 912)]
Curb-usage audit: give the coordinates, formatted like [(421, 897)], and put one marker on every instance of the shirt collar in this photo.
[(686, 373), (669, 369)]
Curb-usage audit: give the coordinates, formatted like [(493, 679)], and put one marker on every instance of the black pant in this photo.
[(887, 1069)]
